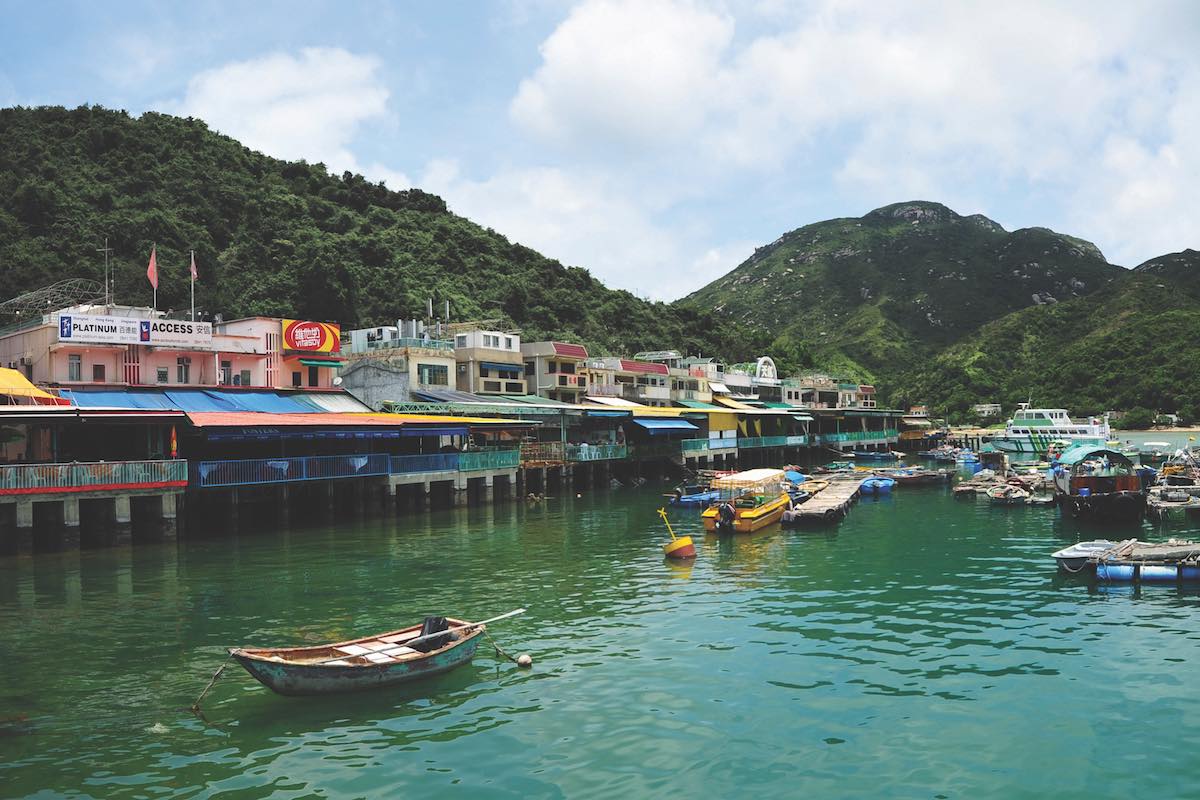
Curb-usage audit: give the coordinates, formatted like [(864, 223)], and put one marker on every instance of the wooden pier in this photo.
[(829, 505)]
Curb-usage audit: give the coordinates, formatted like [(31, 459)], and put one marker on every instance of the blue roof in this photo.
[(658, 426), (193, 400)]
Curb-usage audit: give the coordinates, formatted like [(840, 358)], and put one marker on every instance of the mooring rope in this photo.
[(499, 650), (195, 707)]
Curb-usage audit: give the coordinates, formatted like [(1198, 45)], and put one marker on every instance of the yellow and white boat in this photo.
[(758, 499)]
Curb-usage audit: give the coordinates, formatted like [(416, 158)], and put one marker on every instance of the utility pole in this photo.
[(106, 250)]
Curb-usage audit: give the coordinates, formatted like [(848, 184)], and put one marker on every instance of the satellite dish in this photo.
[(337, 381)]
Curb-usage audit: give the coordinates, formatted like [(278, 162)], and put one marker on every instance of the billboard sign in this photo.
[(311, 337), (95, 329)]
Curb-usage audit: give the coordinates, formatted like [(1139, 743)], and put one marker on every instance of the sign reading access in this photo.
[(311, 337), (91, 329)]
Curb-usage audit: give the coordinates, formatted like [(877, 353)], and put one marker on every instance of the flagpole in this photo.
[(192, 269), (153, 248)]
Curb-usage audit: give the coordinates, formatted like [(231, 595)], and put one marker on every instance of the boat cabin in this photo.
[(1088, 470)]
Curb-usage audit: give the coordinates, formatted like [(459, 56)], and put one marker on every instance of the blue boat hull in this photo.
[(1147, 573)]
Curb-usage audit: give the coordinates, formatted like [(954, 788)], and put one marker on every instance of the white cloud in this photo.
[(587, 219), (625, 71), (309, 106), (1079, 103)]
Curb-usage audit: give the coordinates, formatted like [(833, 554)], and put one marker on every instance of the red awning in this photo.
[(569, 350)]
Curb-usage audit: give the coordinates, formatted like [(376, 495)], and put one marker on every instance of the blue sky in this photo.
[(658, 142)]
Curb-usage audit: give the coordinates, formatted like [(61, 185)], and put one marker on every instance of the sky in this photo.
[(658, 142)]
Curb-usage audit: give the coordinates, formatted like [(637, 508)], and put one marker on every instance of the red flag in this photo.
[(194, 275), (152, 270)]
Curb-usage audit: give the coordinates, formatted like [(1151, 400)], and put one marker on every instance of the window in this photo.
[(74, 368), (312, 376), (98, 372), (433, 374), (483, 371), (163, 375), (296, 379), (568, 367), (226, 373), (552, 367), (183, 372), (530, 368), (245, 377), (508, 343), (460, 341)]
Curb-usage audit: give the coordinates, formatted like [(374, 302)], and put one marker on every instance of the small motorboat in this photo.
[(437, 645), (693, 495), (1078, 556), (1041, 499), (877, 485)]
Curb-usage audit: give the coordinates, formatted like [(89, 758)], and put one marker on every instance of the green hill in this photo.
[(1132, 343), (877, 294), (282, 238)]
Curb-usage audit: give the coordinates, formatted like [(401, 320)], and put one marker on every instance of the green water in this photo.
[(924, 648)]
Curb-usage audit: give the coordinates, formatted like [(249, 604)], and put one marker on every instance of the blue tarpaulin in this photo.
[(657, 427), (193, 400)]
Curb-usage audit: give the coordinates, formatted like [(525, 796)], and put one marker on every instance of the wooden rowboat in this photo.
[(357, 664)]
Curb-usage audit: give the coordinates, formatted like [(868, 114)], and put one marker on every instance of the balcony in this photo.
[(106, 476), (596, 452), (432, 462), (630, 391), (253, 471), (605, 390), (478, 460)]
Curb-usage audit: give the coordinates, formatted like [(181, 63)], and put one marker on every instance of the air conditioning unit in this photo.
[(26, 360)]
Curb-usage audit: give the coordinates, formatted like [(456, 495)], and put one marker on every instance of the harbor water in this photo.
[(924, 648)]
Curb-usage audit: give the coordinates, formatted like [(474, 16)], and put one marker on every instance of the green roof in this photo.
[(536, 400), (698, 404), (1080, 452)]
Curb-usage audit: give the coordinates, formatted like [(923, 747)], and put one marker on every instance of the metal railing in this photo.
[(797, 441), (605, 390), (251, 471), (476, 460), (91, 476), (856, 436), (596, 452), (762, 441), (694, 445), (430, 462)]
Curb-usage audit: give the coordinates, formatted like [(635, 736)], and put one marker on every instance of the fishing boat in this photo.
[(1079, 556), (1154, 454), (1099, 483), (758, 497), (1131, 561), (875, 455), (915, 476), (693, 495), (437, 645), (1009, 494), (1033, 430)]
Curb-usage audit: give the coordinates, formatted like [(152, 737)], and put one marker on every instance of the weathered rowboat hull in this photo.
[(288, 677)]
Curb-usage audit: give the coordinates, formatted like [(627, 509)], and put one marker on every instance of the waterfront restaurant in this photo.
[(108, 345)]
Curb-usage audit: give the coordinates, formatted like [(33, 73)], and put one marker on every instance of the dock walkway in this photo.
[(828, 505)]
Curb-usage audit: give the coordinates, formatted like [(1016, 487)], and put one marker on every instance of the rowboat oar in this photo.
[(411, 642)]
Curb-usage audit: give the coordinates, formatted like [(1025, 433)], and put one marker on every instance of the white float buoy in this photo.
[(525, 660)]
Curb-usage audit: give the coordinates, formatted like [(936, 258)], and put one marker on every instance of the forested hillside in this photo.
[(877, 294), (1131, 344), (279, 238), (930, 305)]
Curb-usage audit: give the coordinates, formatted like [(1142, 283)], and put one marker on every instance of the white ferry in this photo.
[(1033, 430)]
